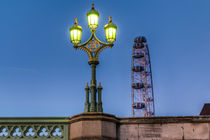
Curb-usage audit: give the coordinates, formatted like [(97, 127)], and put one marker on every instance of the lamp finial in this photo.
[(75, 20), (92, 5), (110, 19)]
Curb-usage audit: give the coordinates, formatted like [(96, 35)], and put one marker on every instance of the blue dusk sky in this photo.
[(42, 75)]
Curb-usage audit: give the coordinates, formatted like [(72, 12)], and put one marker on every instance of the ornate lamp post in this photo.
[(93, 46)]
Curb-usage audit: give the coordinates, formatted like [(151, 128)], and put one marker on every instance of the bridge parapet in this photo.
[(34, 128), (102, 126)]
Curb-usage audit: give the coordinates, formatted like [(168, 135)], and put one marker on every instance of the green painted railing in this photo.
[(34, 128)]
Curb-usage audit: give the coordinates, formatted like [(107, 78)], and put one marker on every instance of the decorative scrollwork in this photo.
[(3, 132), (86, 50), (101, 49), (93, 46), (29, 132)]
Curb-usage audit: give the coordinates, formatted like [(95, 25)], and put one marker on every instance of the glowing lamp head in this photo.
[(75, 33), (93, 17), (110, 31)]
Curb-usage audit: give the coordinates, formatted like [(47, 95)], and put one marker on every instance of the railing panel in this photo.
[(34, 128)]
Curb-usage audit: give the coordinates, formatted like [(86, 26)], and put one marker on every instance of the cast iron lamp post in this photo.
[(93, 46)]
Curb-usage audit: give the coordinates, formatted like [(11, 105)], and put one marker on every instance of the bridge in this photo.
[(102, 126)]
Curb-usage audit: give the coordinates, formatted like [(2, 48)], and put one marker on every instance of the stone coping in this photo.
[(107, 117), (57, 120), (94, 116), (165, 119)]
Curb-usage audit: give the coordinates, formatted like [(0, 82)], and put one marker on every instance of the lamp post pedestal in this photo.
[(93, 126)]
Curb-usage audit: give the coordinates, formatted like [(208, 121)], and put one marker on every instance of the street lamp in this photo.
[(110, 31), (92, 17), (93, 46), (76, 33)]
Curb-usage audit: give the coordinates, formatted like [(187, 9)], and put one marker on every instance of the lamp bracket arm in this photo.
[(85, 43), (101, 49), (80, 47), (103, 43), (103, 46)]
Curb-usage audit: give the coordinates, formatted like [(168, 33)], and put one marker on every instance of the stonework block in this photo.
[(150, 132), (75, 130), (129, 132), (86, 129), (196, 131), (109, 129), (91, 128), (172, 131)]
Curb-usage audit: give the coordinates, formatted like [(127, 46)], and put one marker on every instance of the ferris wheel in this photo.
[(142, 86)]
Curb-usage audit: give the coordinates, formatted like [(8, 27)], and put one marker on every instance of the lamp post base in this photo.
[(93, 126), (99, 107), (87, 107)]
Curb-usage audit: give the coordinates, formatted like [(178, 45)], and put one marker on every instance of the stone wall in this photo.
[(165, 128), (101, 126)]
